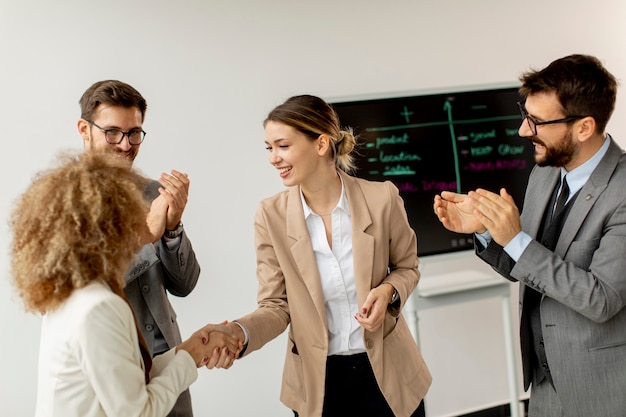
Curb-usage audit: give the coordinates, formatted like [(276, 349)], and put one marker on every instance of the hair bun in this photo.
[(346, 141)]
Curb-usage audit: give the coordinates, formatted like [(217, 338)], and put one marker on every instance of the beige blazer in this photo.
[(290, 292)]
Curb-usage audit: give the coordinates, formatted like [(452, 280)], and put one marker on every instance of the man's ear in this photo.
[(83, 129), (586, 128)]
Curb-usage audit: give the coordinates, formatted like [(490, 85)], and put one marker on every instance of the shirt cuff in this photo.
[(172, 243), (517, 245), (483, 238), (245, 333)]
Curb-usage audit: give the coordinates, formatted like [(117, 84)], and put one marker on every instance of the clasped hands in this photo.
[(167, 209), (213, 346), (479, 211)]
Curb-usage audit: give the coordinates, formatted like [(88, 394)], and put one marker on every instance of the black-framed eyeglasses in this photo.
[(115, 136), (532, 123)]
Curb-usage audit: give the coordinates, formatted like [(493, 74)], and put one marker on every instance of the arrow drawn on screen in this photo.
[(447, 107)]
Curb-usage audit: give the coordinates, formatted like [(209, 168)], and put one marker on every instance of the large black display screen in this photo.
[(426, 144)]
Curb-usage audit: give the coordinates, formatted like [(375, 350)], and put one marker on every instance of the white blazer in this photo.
[(90, 364)]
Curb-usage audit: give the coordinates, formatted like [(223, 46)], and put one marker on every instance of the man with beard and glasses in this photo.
[(112, 115), (568, 248)]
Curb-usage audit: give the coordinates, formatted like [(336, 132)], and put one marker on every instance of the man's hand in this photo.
[(155, 221), (175, 191), (456, 213), (498, 213)]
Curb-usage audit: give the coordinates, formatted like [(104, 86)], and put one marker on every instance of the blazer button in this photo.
[(149, 327), (369, 344), (145, 288)]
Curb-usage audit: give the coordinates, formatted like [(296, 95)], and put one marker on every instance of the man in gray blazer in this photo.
[(112, 115), (569, 256)]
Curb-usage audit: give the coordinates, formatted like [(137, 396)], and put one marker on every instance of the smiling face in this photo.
[(555, 144), (296, 156), (111, 117)]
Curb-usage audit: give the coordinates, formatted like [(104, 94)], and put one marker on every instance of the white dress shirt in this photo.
[(336, 269)]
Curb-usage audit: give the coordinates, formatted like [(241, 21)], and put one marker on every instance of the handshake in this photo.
[(215, 345)]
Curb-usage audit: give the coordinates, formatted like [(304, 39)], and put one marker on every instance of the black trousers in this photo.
[(352, 390)]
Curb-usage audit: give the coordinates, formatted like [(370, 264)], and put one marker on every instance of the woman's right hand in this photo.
[(208, 344)]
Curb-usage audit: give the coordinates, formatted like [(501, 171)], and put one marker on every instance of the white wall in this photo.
[(211, 70)]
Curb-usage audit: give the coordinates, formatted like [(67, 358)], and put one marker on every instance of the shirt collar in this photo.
[(342, 204), (577, 177)]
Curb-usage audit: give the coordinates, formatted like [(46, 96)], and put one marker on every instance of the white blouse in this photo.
[(336, 269)]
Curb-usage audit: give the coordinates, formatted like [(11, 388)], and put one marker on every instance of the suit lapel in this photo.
[(587, 197), (302, 251), (537, 199), (362, 242), (536, 203)]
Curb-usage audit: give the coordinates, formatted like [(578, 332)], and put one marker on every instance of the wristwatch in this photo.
[(172, 234), (395, 296)]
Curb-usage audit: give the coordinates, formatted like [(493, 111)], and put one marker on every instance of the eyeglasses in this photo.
[(532, 123), (115, 136)]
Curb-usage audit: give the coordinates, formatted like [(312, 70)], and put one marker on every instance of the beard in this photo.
[(558, 155), (129, 155)]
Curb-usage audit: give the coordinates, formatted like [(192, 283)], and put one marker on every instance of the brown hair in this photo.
[(80, 221), (313, 117), (582, 85), (111, 92)]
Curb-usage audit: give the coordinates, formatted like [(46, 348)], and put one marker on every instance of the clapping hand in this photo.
[(456, 213)]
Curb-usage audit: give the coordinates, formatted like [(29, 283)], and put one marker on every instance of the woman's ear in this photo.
[(323, 144)]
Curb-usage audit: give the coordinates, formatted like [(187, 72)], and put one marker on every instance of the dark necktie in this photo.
[(562, 199)]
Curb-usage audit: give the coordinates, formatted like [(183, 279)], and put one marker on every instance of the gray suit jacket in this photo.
[(156, 272), (583, 287)]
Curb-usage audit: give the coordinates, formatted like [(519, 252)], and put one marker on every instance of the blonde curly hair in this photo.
[(80, 221)]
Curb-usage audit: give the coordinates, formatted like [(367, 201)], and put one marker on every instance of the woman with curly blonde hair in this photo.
[(75, 232)]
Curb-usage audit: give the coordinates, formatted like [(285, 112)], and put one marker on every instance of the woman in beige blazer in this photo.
[(75, 231), (336, 260)]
